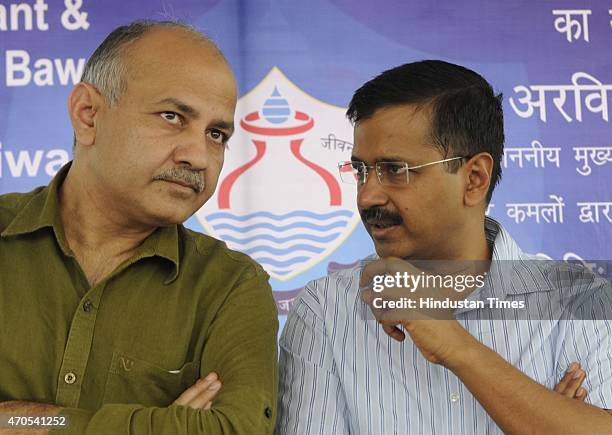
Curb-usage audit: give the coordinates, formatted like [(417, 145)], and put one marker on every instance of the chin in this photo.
[(171, 218), (385, 250)]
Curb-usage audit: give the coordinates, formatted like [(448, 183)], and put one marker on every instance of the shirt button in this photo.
[(70, 378), (87, 306), (454, 397), (268, 412)]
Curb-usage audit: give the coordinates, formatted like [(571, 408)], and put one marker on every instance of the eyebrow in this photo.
[(182, 106), (194, 113), (224, 125)]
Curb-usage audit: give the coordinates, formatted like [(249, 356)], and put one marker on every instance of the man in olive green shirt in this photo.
[(112, 314)]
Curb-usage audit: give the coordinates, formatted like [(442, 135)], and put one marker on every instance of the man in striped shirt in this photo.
[(428, 145)]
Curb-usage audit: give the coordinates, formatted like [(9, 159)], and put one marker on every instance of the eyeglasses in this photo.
[(388, 173)]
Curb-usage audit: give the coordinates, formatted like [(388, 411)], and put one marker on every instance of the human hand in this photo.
[(201, 394), (570, 384), (438, 340)]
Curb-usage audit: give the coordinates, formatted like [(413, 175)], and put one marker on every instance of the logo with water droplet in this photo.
[(280, 198), (276, 109)]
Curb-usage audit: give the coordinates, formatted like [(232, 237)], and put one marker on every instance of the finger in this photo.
[(370, 270), (394, 332), (567, 377), (190, 393), (575, 383), (389, 265), (367, 296), (581, 394), (577, 377), (395, 264), (206, 396)]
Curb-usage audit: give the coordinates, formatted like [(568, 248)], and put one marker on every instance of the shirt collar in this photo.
[(43, 211), (504, 246), (163, 243), (513, 271)]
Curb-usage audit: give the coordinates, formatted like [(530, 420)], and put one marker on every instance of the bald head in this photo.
[(107, 68)]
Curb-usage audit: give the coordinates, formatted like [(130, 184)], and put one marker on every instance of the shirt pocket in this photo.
[(132, 380)]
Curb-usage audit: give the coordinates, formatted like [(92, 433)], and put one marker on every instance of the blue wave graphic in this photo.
[(277, 263), (308, 240), (298, 213), (271, 238), (282, 272), (268, 226), (283, 251)]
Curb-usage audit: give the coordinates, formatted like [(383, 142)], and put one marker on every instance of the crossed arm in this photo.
[(516, 403), (203, 392), (244, 405), (311, 395), (199, 396)]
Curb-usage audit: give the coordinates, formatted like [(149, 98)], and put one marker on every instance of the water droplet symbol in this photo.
[(276, 109)]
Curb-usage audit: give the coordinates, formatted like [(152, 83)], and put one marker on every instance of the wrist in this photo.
[(464, 353)]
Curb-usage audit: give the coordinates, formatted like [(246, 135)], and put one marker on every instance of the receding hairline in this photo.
[(189, 31), (128, 54), (107, 68)]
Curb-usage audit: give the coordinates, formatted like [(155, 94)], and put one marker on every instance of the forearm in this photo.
[(135, 420), (128, 419), (138, 420), (517, 403)]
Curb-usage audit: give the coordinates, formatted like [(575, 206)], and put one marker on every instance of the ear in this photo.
[(83, 104), (478, 179)]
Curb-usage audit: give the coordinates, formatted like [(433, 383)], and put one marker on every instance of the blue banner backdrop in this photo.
[(279, 198)]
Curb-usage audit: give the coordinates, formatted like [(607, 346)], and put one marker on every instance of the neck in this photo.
[(471, 241), (473, 258), (476, 246), (90, 225)]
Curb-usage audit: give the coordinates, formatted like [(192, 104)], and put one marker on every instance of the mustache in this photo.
[(194, 179), (377, 215)]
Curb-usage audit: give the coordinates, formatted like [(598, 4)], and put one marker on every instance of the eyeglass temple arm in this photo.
[(436, 162)]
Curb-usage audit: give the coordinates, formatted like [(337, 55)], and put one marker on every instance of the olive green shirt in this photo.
[(116, 355)]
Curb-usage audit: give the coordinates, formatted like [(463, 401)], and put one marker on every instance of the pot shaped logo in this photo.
[(280, 198)]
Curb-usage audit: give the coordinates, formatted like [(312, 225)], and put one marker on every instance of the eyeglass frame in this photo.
[(375, 166)]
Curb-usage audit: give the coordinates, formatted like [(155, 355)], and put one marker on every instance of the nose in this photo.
[(371, 193), (193, 151)]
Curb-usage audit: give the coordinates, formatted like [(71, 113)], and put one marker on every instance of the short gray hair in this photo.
[(105, 68)]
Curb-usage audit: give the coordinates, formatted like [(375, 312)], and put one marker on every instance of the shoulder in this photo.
[(335, 293), (572, 277), (12, 203), (584, 294), (590, 293), (203, 249), (223, 276)]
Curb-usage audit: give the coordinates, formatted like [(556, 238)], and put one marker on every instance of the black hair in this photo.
[(466, 115)]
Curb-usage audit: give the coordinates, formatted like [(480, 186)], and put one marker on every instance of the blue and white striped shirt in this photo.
[(341, 374)]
